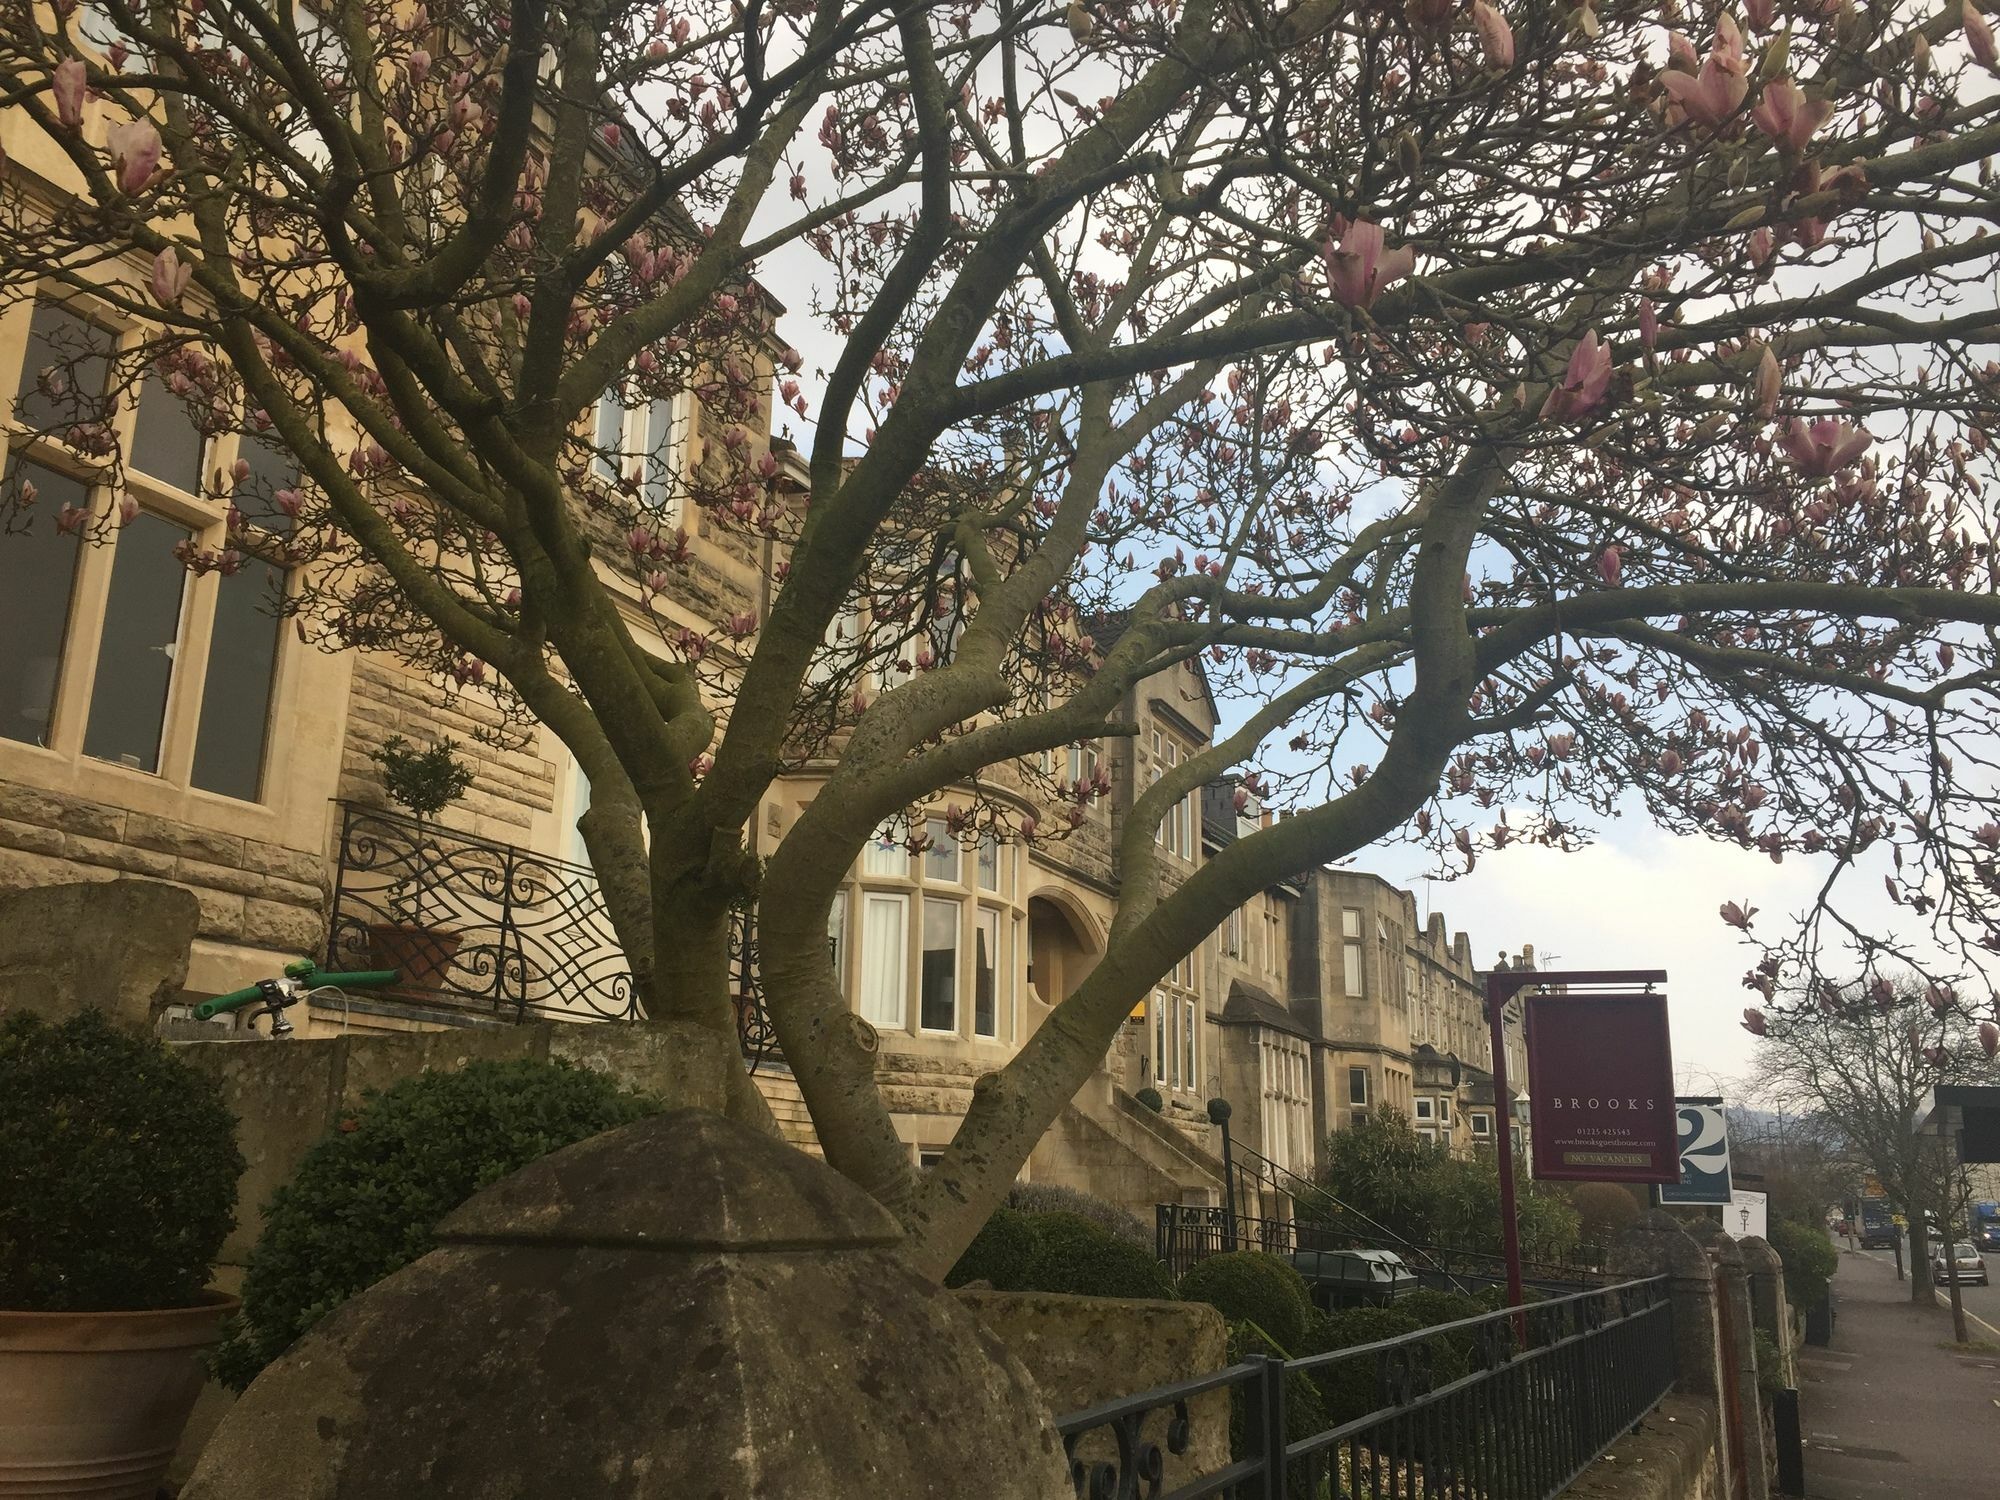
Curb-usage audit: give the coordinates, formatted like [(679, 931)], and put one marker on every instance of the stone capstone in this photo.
[(680, 1308), (117, 945)]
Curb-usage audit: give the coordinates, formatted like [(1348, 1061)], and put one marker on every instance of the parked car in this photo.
[(1966, 1264)]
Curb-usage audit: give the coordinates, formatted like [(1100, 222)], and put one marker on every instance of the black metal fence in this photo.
[(1509, 1406), (1186, 1233)]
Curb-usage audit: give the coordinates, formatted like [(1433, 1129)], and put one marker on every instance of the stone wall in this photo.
[(1087, 1350), (1671, 1456), (259, 894), (514, 783)]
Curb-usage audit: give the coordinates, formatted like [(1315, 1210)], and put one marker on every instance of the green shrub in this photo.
[(1810, 1261), (118, 1168), (1000, 1255), (1352, 1388), (1305, 1415), (1431, 1307), (367, 1197), (1770, 1362), (1150, 1097), (1074, 1255), (1250, 1286), (1047, 1198)]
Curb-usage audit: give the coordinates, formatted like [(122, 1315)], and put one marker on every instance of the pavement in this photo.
[(1891, 1409)]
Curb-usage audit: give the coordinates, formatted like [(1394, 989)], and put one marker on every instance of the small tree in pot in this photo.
[(118, 1170), (423, 783)]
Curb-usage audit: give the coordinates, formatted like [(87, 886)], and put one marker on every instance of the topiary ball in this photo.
[(1251, 1286), (367, 1197), (1431, 1307), (1352, 1388), (118, 1168), (1000, 1255), (1073, 1255), (1150, 1097), (1049, 1197)]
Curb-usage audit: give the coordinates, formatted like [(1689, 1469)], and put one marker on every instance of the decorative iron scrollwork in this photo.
[(754, 1031), (1139, 1470), (474, 923)]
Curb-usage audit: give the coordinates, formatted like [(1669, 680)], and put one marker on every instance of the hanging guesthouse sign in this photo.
[(1601, 1089)]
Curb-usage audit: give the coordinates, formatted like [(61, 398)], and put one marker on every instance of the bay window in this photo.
[(940, 922)]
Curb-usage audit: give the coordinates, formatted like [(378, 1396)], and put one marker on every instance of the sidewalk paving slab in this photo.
[(1889, 1409)]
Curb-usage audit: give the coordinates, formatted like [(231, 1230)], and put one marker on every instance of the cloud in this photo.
[(1647, 901)]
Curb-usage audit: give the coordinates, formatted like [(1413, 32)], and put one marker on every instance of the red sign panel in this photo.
[(1601, 1089)]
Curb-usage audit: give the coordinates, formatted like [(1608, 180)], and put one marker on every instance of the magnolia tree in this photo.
[(1522, 412)]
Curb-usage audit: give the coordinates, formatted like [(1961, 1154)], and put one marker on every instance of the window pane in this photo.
[(836, 939), (989, 863), (941, 858), (609, 436), (1351, 968), (272, 468), (939, 1006), (1159, 1038), (659, 455), (884, 957), (1350, 923), (166, 445), (885, 854), (1188, 1074), (135, 656), (37, 572), (1357, 1085), (64, 372), (986, 975), (236, 690)]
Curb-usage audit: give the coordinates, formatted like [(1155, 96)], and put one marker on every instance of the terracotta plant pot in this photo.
[(422, 954), (92, 1403)]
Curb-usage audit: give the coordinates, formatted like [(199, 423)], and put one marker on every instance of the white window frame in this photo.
[(662, 457)]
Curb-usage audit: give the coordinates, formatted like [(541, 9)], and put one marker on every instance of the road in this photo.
[(1890, 1410), (1982, 1303)]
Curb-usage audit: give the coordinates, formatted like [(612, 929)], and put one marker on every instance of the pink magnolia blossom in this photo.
[(1761, 14), (1584, 383), (67, 83), (1989, 1039), (135, 153), (1761, 246), (128, 511), (170, 277), (1649, 323), (1979, 37), (1825, 446), (1788, 117), (1738, 916), (418, 67), (1359, 269), (70, 519), (1611, 564), (1496, 37), (1753, 1021), (612, 133), (1711, 96), (1770, 380)]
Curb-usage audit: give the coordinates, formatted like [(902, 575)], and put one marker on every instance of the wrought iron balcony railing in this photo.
[(474, 923)]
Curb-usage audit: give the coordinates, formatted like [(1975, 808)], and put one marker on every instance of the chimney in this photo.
[(1527, 959), (1265, 813)]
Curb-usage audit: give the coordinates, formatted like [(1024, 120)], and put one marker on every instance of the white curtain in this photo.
[(885, 957)]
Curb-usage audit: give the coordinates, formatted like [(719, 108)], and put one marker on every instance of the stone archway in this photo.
[(1064, 944)]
